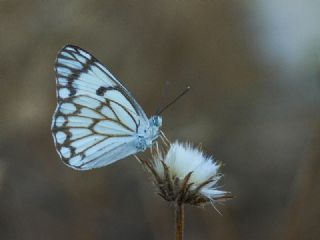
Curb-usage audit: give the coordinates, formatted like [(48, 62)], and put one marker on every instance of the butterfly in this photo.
[(97, 121)]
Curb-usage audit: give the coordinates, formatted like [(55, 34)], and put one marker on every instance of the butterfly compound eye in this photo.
[(157, 121)]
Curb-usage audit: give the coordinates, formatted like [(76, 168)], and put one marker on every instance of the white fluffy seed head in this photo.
[(182, 159)]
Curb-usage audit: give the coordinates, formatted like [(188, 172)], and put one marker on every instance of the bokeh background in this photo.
[(254, 69)]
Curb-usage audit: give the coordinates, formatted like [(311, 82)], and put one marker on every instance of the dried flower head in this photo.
[(184, 175)]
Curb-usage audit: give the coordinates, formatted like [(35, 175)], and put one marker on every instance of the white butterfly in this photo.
[(97, 121)]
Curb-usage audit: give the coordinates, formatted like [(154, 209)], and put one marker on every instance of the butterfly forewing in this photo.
[(96, 118)]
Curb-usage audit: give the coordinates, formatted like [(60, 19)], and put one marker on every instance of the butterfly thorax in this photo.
[(150, 133)]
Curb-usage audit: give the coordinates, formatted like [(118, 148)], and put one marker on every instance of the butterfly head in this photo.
[(155, 124), (156, 121)]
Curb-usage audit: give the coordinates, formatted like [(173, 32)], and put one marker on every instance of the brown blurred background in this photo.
[(254, 69)]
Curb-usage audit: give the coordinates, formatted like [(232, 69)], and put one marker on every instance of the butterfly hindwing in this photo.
[(96, 118)]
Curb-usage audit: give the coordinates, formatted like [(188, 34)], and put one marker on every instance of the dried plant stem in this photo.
[(179, 215)]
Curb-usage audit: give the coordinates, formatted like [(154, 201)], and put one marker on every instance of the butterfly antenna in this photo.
[(173, 101), (163, 95)]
